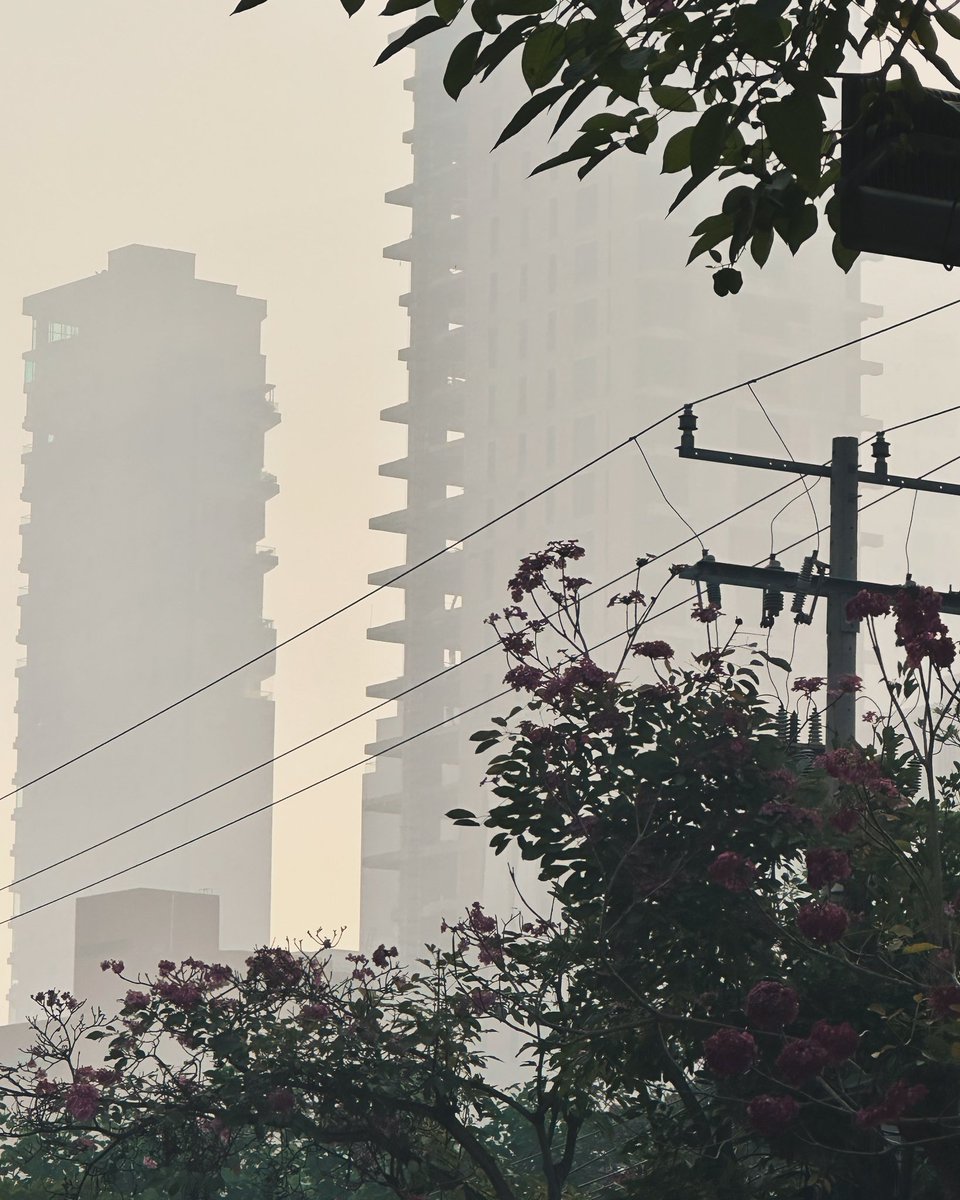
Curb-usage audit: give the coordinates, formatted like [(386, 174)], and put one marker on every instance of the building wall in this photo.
[(549, 319), (147, 405)]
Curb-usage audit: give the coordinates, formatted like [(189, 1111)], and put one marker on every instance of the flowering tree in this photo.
[(736, 91), (743, 963), (767, 950)]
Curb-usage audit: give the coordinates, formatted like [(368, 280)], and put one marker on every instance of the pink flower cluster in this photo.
[(826, 866), (771, 1005), (706, 614), (770, 1116), (850, 765), (381, 956), (944, 1001), (732, 871), (919, 628), (826, 1046), (800, 1061), (839, 1041), (900, 1097), (730, 1052), (808, 685), (824, 923), (530, 574), (654, 650), (274, 967), (82, 1100)]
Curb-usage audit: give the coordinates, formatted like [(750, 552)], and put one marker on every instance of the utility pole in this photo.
[(841, 633), (840, 584)]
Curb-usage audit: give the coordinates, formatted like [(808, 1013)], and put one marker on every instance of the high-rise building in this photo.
[(147, 406), (549, 319)]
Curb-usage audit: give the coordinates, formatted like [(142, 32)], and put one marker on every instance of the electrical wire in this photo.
[(666, 499), (942, 412), (906, 540), (695, 536), (375, 707), (395, 746), (793, 458), (796, 363), (886, 495)]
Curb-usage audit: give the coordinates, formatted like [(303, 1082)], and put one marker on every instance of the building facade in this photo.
[(549, 319), (147, 406)]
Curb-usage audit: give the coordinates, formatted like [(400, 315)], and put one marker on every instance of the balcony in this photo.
[(387, 689), (267, 557), (392, 522)]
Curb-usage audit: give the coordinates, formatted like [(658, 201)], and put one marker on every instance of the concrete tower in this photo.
[(549, 319), (147, 406)]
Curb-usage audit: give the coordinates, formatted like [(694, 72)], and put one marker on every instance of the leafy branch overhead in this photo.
[(741, 92)]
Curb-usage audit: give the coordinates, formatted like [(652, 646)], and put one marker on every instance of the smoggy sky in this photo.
[(264, 143)]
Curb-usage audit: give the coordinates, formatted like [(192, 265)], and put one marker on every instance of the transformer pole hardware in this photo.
[(838, 582)]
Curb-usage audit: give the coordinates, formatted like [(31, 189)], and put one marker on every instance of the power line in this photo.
[(790, 454), (375, 707), (666, 499), (929, 416), (886, 495), (810, 358), (695, 537)]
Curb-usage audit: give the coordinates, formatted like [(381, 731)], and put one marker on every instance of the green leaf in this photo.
[(644, 135), (797, 225), (760, 246), (393, 8), (492, 55), (919, 948), (543, 55), (949, 22), (708, 140), (775, 662), (727, 281), (245, 4), (419, 29), (843, 257), (711, 232), (529, 109), (485, 15), (676, 153), (447, 9), (573, 102), (673, 99), (794, 128), (461, 64)]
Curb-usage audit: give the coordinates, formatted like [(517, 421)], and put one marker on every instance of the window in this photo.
[(585, 318), (451, 657), (585, 377), (585, 263), (586, 205), (451, 601), (452, 490), (29, 371), (57, 331)]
